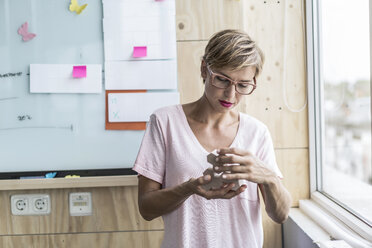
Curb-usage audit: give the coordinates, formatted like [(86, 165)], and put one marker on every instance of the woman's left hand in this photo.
[(248, 166)]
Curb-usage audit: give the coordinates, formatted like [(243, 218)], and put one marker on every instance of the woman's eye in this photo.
[(243, 85), (222, 79)]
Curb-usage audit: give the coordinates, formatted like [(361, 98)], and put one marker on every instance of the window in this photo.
[(338, 48)]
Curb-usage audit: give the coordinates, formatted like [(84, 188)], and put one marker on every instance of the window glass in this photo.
[(346, 118)]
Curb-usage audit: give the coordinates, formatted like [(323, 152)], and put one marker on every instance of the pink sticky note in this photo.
[(139, 51), (79, 71)]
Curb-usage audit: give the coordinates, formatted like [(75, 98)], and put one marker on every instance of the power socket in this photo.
[(32, 204)]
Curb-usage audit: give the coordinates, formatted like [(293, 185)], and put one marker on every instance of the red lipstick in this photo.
[(225, 104)]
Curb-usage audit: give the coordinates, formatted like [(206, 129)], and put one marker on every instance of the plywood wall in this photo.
[(279, 101)]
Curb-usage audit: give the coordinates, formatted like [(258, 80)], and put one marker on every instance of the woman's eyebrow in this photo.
[(217, 72), (244, 81)]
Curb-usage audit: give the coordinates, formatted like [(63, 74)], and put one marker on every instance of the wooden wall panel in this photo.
[(294, 165), (31, 241), (199, 19), (277, 27), (86, 240), (190, 83), (10, 224), (114, 209), (272, 231), (111, 240)]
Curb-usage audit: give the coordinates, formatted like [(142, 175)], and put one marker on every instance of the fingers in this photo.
[(225, 192), (219, 193), (201, 180), (236, 176), (230, 159), (227, 161), (238, 157), (231, 168), (204, 179), (233, 150), (232, 193), (194, 184)]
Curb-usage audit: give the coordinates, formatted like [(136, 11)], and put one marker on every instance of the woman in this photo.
[(173, 157)]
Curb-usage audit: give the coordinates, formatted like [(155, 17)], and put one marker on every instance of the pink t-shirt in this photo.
[(171, 154)]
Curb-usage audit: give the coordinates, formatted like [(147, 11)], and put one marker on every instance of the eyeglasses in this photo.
[(223, 82)]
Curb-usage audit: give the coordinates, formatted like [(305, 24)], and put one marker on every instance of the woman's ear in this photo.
[(203, 70)]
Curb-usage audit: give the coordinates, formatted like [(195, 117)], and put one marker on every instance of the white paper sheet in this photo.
[(158, 34), (130, 23), (57, 78), (137, 107), (138, 8), (132, 75)]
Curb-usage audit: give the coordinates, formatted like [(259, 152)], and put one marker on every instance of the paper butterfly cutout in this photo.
[(74, 6), (23, 30)]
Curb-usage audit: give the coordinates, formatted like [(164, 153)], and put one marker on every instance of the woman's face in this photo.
[(224, 100)]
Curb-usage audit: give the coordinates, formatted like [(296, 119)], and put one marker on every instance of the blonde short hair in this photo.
[(233, 49)]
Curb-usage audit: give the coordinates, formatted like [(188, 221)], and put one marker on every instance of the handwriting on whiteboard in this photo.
[(10, 74), (24, 117)]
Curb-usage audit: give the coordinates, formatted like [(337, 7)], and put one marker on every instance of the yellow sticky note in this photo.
[(74, 6), (71, 176)]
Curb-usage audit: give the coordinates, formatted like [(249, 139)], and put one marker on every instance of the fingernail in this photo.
[(224, 176), (216, 168), (206, 177)]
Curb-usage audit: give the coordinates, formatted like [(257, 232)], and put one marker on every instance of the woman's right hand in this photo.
[(225, 192)]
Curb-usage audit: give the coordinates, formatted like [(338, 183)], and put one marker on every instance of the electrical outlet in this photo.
[(19, 205), (80, 204), (32, 204), (40, 204)]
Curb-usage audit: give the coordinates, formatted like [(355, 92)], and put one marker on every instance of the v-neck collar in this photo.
[(192, 135)]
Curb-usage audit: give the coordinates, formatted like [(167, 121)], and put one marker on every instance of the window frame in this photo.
[(316, 121)]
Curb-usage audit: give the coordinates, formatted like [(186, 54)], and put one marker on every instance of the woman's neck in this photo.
[(201, 111)]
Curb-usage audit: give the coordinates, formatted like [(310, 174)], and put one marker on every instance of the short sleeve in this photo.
[(150, 161), (266, 153)]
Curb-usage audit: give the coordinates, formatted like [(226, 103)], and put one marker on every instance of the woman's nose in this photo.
[(230, 91)]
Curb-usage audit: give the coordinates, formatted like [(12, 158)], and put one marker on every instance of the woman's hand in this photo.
[(247, 166), (277, 199), (225, 192)]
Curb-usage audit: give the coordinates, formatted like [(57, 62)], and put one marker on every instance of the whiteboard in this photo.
[(53, 132)]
